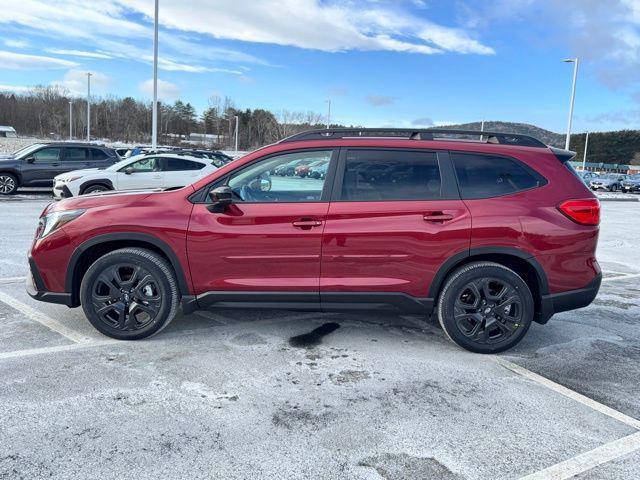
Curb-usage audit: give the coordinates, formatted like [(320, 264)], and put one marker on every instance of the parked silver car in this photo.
[(609, 181)]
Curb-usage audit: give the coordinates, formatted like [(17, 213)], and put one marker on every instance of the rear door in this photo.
[(100, 158), (144, 173), (394, 219), (179, 172), (76, 158)]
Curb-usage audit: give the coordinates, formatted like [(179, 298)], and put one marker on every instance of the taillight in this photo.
[(585, 211)]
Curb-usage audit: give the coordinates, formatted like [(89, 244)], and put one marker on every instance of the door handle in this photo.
[(306, 223), (55, 164), (437, 217)]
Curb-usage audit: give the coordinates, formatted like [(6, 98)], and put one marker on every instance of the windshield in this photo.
[(612, 176), (634, 177), (124, 163), (27, 150)]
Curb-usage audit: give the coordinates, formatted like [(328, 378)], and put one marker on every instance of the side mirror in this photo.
[(221, 197), (30, 159), (128, 171)]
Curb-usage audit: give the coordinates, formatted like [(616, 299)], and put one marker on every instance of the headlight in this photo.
[(53, 221), (68, 179)]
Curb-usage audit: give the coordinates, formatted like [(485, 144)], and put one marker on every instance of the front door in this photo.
[(144, 173), (265, 246), (39, 168), (394, 219)]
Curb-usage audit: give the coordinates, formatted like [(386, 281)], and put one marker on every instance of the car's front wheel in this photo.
[(8, 184), (613, 188), (95, 189), (129, 294), (485, 307)]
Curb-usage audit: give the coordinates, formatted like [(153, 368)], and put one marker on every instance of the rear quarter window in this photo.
[(486, 176)]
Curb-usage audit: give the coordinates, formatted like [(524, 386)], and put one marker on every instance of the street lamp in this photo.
[(575, 62), (154, 115), (584, 156), (329, 114), (89, 106), (236, 117), (70, 119)]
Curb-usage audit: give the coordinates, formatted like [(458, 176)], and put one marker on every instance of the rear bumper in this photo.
[(36, 289), (571, 300)]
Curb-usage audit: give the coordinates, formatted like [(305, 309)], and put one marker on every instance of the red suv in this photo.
[(489, 235)]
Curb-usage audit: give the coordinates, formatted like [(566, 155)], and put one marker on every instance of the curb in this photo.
[(619, 199)]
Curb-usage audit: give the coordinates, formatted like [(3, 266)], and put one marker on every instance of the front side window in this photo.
[(77, 154), (274, 179), (379, 175), (150, 164), (486, 176), (47, 155)]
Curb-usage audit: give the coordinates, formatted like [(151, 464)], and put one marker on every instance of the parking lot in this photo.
[(239, 394)]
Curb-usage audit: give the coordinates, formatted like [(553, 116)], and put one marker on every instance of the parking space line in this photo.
[(6, 280), (567, 392), (611, 279), (588, 460), (58, 348), (43, 319)]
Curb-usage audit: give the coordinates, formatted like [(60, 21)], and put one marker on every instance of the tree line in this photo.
[(44, 112)]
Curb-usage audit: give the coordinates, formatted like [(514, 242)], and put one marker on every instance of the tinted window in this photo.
[(149, 164), (99, 154), (47, 155), (180, 164), (77, 154), (484, 176), (372, 175), (274, 179)]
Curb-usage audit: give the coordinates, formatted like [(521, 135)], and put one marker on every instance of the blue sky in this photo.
[(382, 63)]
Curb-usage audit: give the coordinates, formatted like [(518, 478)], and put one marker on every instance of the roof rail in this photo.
[(415, 134)]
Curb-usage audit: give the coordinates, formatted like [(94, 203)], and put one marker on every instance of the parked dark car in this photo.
[(37, 164), (607, 181), (631, 183)]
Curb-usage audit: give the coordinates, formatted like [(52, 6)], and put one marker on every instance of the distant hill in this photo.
[(619, 147), (546, 136)]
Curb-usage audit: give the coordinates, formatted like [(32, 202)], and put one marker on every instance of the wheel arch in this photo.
[(89, 251), (12, 172), (98, 181), (523, 263)]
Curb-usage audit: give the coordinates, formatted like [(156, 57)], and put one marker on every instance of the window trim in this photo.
[(541, 179), (201, 197), (448, 184)]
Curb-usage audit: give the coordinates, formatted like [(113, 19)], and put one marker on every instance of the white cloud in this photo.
[(13, 43), (379, 100), (19, 61), (77, 53), (14, 88), (166, 90), (75, 81)]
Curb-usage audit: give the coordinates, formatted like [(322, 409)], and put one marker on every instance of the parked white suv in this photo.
[(164, 170)]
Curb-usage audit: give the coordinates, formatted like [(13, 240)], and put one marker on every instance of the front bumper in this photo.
[(37, 290), (571, 300), (631, 188), (60, 191)]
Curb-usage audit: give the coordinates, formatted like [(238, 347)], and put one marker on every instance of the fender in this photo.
[(120, 236), (456, 259), (99, 181)]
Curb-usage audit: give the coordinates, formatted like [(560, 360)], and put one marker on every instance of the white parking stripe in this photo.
[(59, 348), (43, 319), (611, 279), (588, 460), (12, 280), (567, 392)]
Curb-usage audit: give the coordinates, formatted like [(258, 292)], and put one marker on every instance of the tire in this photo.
[(132, 308), (613, 188), (94, 189), (464, 317), (8, 184)]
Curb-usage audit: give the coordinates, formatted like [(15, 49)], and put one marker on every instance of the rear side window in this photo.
[(378, 175), (76, 154), (180, 164), (485, 176), (99, 154)]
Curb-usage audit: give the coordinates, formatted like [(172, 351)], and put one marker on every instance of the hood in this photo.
[(76, 173), (5, 156)]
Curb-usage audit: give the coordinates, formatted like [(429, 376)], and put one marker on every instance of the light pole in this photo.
[(584, 156), (481, 129), (88, 106), (575, 62), (154, 115), (70, 119), (236, 117), (329, 114)]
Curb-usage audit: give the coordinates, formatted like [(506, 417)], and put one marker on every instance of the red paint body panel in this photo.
[(255, 247), (388, 246)]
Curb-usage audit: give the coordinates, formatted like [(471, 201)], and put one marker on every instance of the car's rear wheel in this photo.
[(613, 188), (95, 189), (8, 184), (485, 307), (129, 294)]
